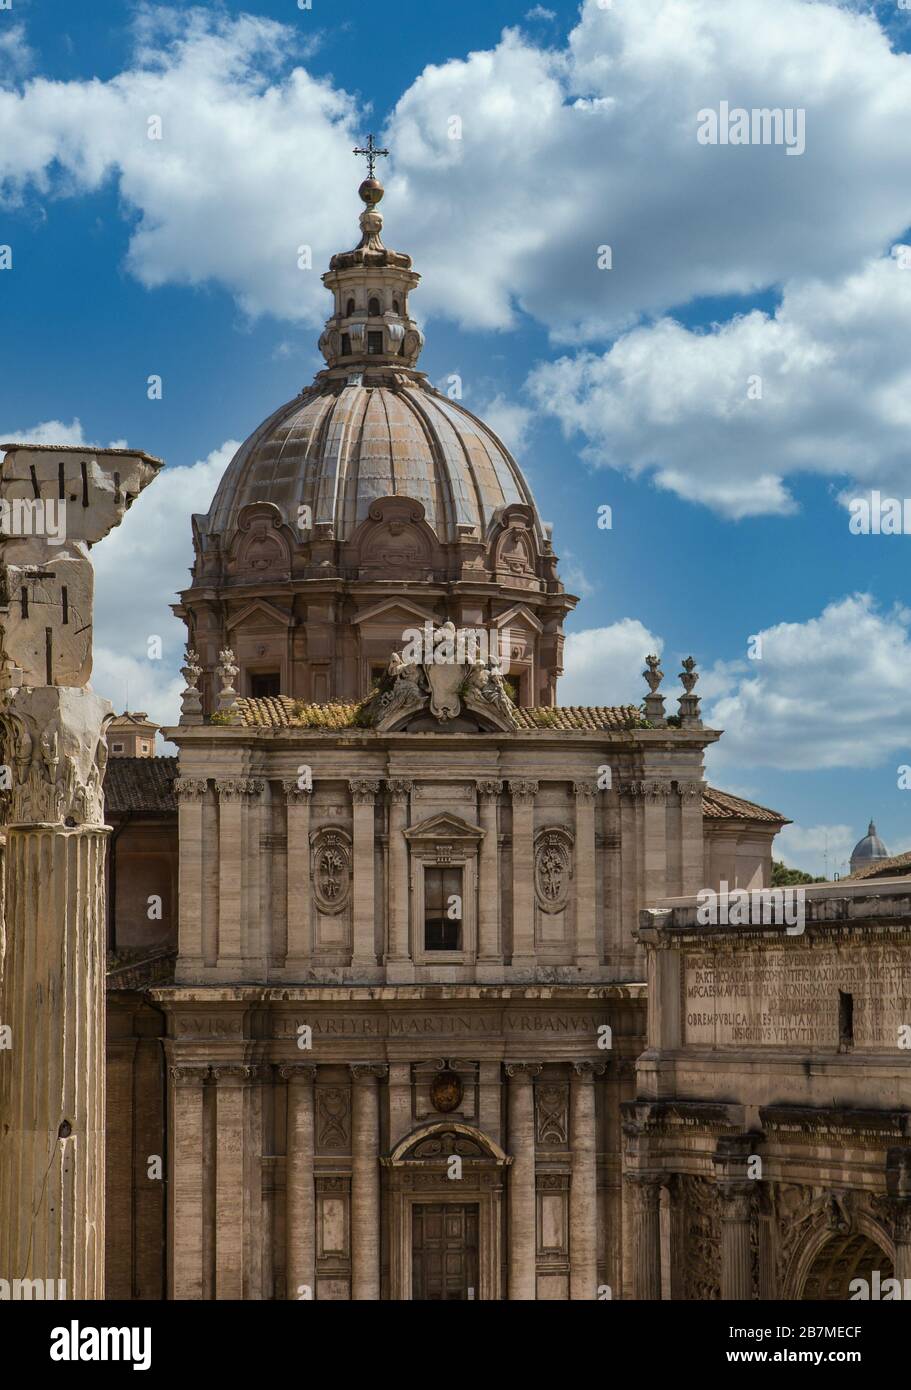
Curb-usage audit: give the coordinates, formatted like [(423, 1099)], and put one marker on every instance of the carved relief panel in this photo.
[(553, 883), (330, 871)]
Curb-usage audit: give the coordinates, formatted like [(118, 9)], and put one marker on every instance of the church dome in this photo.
[(339, 447), (369, 502), (868, 850)]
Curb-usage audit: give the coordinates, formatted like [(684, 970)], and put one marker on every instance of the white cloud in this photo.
[(603, 665), (561, 151), (540, 12), (509, 420), (817, 849), (138, 570), (725, 417), (834, 691), (50, 432)]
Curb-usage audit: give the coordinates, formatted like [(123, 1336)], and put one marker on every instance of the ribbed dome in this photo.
[(338, 448), (869, 849)]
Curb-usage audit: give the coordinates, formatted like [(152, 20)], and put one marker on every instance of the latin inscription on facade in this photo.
[(797, 998)]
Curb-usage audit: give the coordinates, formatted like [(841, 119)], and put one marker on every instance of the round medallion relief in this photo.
[(446, 1091)]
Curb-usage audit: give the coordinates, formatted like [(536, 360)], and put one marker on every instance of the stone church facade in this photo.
[(380, 1039)]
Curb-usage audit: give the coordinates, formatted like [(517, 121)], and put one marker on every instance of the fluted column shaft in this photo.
[(300, 1196), (52, 1094), (648, 1235), (522, 1217), (736, 1271), (191, 792), (583, 1191), (365, 1181)]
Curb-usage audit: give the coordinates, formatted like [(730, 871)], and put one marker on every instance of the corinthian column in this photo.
[(300, 1218), (53, 755), (363, 794), (365, 1180), (523, 913), (186, 1181), (490, 947), (191, 793), (522, 1238), (583, 1191), (736, 1270), (647, 1190)]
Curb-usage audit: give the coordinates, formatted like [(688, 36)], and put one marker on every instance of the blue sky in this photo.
[(626, 387)]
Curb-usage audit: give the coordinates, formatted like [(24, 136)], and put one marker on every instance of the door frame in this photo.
[(411, 1179)]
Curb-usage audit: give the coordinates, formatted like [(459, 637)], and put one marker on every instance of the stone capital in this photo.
[(233, 1073), (190, 789), (189, 1073), (293, 790), (587, 1071), (736, 1199), (236, 788), (364, 1073), (363, 791), (399, 788), (54, 741), (301, 1072), (523, 1071), (690, 791), (489, 788), (523, 791), (584, 791)]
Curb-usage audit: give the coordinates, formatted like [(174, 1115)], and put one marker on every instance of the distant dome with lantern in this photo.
[(367, 503)]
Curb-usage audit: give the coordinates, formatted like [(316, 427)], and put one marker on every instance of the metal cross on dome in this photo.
[(372, 154)]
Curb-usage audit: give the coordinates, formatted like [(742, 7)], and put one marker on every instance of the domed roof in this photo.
[(339, 447), (868, 849)]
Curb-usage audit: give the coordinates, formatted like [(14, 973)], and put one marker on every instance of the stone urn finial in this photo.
[(227, 669), (191, 699), (654, 702), (688, 702)]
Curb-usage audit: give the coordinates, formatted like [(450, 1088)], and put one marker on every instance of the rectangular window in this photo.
[(442, 909), (264, 683), (375, 343)]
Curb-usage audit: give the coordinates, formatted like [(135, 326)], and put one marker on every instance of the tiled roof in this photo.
[(281, 712), (133, 785), (893, 867), (717, 805)]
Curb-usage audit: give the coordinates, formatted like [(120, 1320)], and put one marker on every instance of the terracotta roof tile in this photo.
[(718, 805), (893, 867), (281, 712), (140, 785)]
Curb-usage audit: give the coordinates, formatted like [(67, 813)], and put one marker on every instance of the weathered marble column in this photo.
[(586, 933), (399, 796), (736, 1208), (186, 1185), (300, 1192), (647, 1211), (901, 1233), (490, 946), (299, 952), (654, 828), (365, 1180), (523, 855), (522, 1223), (363, 794), (583, 1191)]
